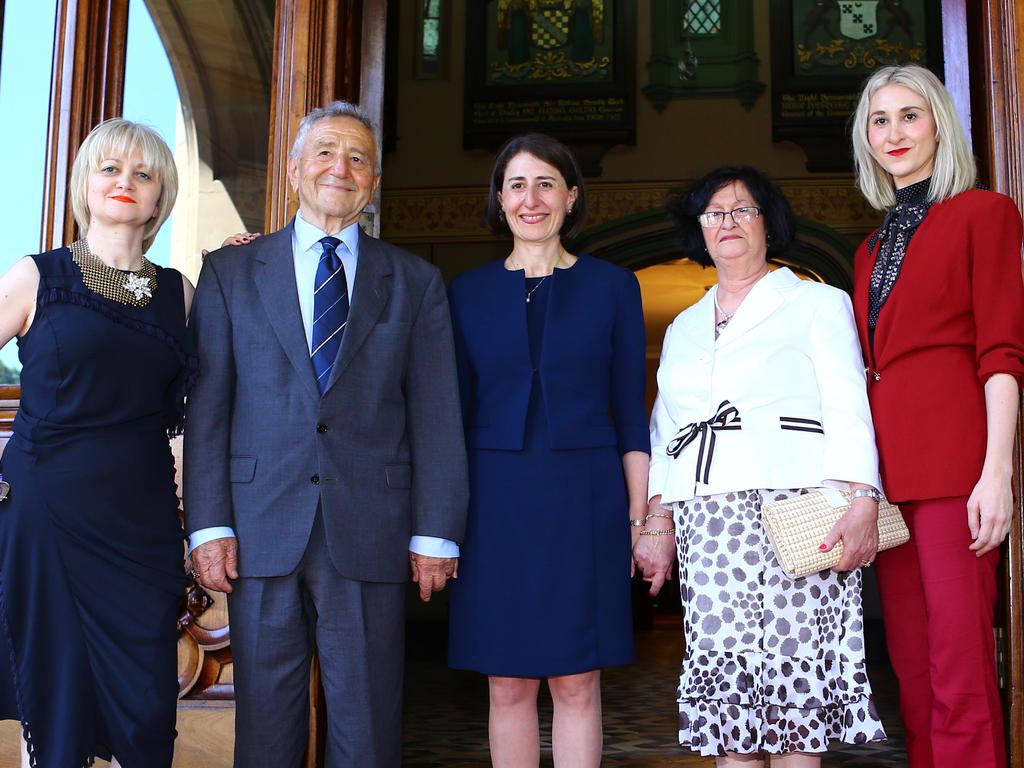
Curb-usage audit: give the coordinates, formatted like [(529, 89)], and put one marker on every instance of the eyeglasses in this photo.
[(744, 215)]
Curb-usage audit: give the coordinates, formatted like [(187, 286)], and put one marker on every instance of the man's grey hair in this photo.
[(334, 109)]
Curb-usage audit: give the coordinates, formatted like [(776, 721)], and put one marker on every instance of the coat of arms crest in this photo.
[(858, 20)]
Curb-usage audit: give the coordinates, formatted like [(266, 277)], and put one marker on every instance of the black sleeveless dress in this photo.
[(91, 548)]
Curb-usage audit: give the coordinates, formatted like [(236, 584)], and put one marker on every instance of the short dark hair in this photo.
[(551, 151), (685, 207)]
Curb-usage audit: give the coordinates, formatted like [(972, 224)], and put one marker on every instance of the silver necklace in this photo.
[(726, 316), (530, 292)]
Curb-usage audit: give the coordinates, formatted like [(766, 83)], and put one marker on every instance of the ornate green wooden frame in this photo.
[(727, 64)]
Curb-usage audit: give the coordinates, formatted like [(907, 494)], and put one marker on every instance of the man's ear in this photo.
[(293, 174)]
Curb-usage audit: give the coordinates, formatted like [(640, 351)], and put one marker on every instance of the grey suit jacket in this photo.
[(382, 450)]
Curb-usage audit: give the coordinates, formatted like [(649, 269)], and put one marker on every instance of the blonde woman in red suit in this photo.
[(939, 303)]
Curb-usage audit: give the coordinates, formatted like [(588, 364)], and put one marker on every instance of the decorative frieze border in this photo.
[(455, 214)]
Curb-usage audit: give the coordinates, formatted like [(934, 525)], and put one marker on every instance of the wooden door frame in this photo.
[(997, 99), (86, 87), (994, 68)]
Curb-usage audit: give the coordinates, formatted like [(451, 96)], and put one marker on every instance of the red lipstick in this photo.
[(122, 198), (898, 152)]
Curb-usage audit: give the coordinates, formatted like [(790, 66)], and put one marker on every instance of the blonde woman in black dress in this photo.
[(90, 543)]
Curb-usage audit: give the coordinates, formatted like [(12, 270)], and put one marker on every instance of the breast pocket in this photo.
[(795, 424)]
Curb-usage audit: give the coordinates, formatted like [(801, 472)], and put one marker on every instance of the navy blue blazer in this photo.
[(592, 363)]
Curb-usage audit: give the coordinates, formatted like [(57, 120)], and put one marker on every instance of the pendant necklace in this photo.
[(726, 316), (530, 292)]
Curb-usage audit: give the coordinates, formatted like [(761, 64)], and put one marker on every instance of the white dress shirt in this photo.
[(306, 252)]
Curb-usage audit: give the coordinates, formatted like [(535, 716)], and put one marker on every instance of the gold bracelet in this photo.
[(636, 522), (657, 531), (655, 514)]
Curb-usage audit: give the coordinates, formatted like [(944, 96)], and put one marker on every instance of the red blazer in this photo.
[(954, 318)]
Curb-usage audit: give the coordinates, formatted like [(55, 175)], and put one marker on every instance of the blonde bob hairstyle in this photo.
[(124, 138), (954, 171)]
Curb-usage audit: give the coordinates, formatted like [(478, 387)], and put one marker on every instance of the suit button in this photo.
[(315, 479), (321, 428)]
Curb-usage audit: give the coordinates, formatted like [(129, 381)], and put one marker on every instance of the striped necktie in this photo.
[(330, 311)]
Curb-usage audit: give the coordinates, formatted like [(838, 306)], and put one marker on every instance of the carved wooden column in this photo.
[(86, 88), (316, 60), (998, 80)]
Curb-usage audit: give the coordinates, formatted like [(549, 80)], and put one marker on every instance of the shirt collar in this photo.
[(914, 193), (308, 235)]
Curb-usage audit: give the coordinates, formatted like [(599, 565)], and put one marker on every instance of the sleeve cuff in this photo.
[(204, 535), (432, 546)]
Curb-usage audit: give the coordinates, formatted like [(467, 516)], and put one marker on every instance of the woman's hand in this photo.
[(240, 239), (858, 530), (634, 534), (655, 555), (990, 506), (989, 511)]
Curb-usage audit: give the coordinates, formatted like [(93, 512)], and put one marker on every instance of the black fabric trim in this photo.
[(793, 424), (727, 417)]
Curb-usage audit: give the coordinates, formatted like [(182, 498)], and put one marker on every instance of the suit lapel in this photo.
[(862, 280), (764, 298), (370, 295), (275, 283)]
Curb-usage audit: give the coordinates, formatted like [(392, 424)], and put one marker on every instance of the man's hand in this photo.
[(215, 562), (432, 573)]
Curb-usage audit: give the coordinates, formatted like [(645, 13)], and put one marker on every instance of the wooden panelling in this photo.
[(998, 75)]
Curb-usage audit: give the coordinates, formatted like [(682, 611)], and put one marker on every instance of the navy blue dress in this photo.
[(544, 585), (92, 549)]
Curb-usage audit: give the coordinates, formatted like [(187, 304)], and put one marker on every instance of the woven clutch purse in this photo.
[(797, 526)]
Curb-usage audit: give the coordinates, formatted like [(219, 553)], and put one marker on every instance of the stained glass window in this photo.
[(702, 17), (430, 37)]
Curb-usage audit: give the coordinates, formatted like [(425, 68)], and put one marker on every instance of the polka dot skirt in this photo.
[(772, 664)]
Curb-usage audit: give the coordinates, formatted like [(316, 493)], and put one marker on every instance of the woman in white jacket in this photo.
[(761, 395)]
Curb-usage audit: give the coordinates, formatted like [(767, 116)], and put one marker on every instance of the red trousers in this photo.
[(938, 599)]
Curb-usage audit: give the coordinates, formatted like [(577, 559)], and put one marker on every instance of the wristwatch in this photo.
[(870, 493)]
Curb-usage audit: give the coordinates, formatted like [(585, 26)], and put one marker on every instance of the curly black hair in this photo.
[(685, 207)]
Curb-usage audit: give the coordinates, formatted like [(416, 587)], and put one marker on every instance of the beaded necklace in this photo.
[(134, 288)]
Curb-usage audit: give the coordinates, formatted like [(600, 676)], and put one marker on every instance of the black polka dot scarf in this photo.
[(898, 227)]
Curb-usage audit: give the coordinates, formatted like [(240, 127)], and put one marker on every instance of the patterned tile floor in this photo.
[(446, 710)]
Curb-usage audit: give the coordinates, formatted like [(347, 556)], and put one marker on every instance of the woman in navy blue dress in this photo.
[(91, 550), (551, 350)]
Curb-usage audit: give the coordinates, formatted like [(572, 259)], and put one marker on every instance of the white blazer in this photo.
[(778, 401)]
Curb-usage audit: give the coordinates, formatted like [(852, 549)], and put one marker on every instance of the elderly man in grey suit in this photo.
[(323, 455)]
